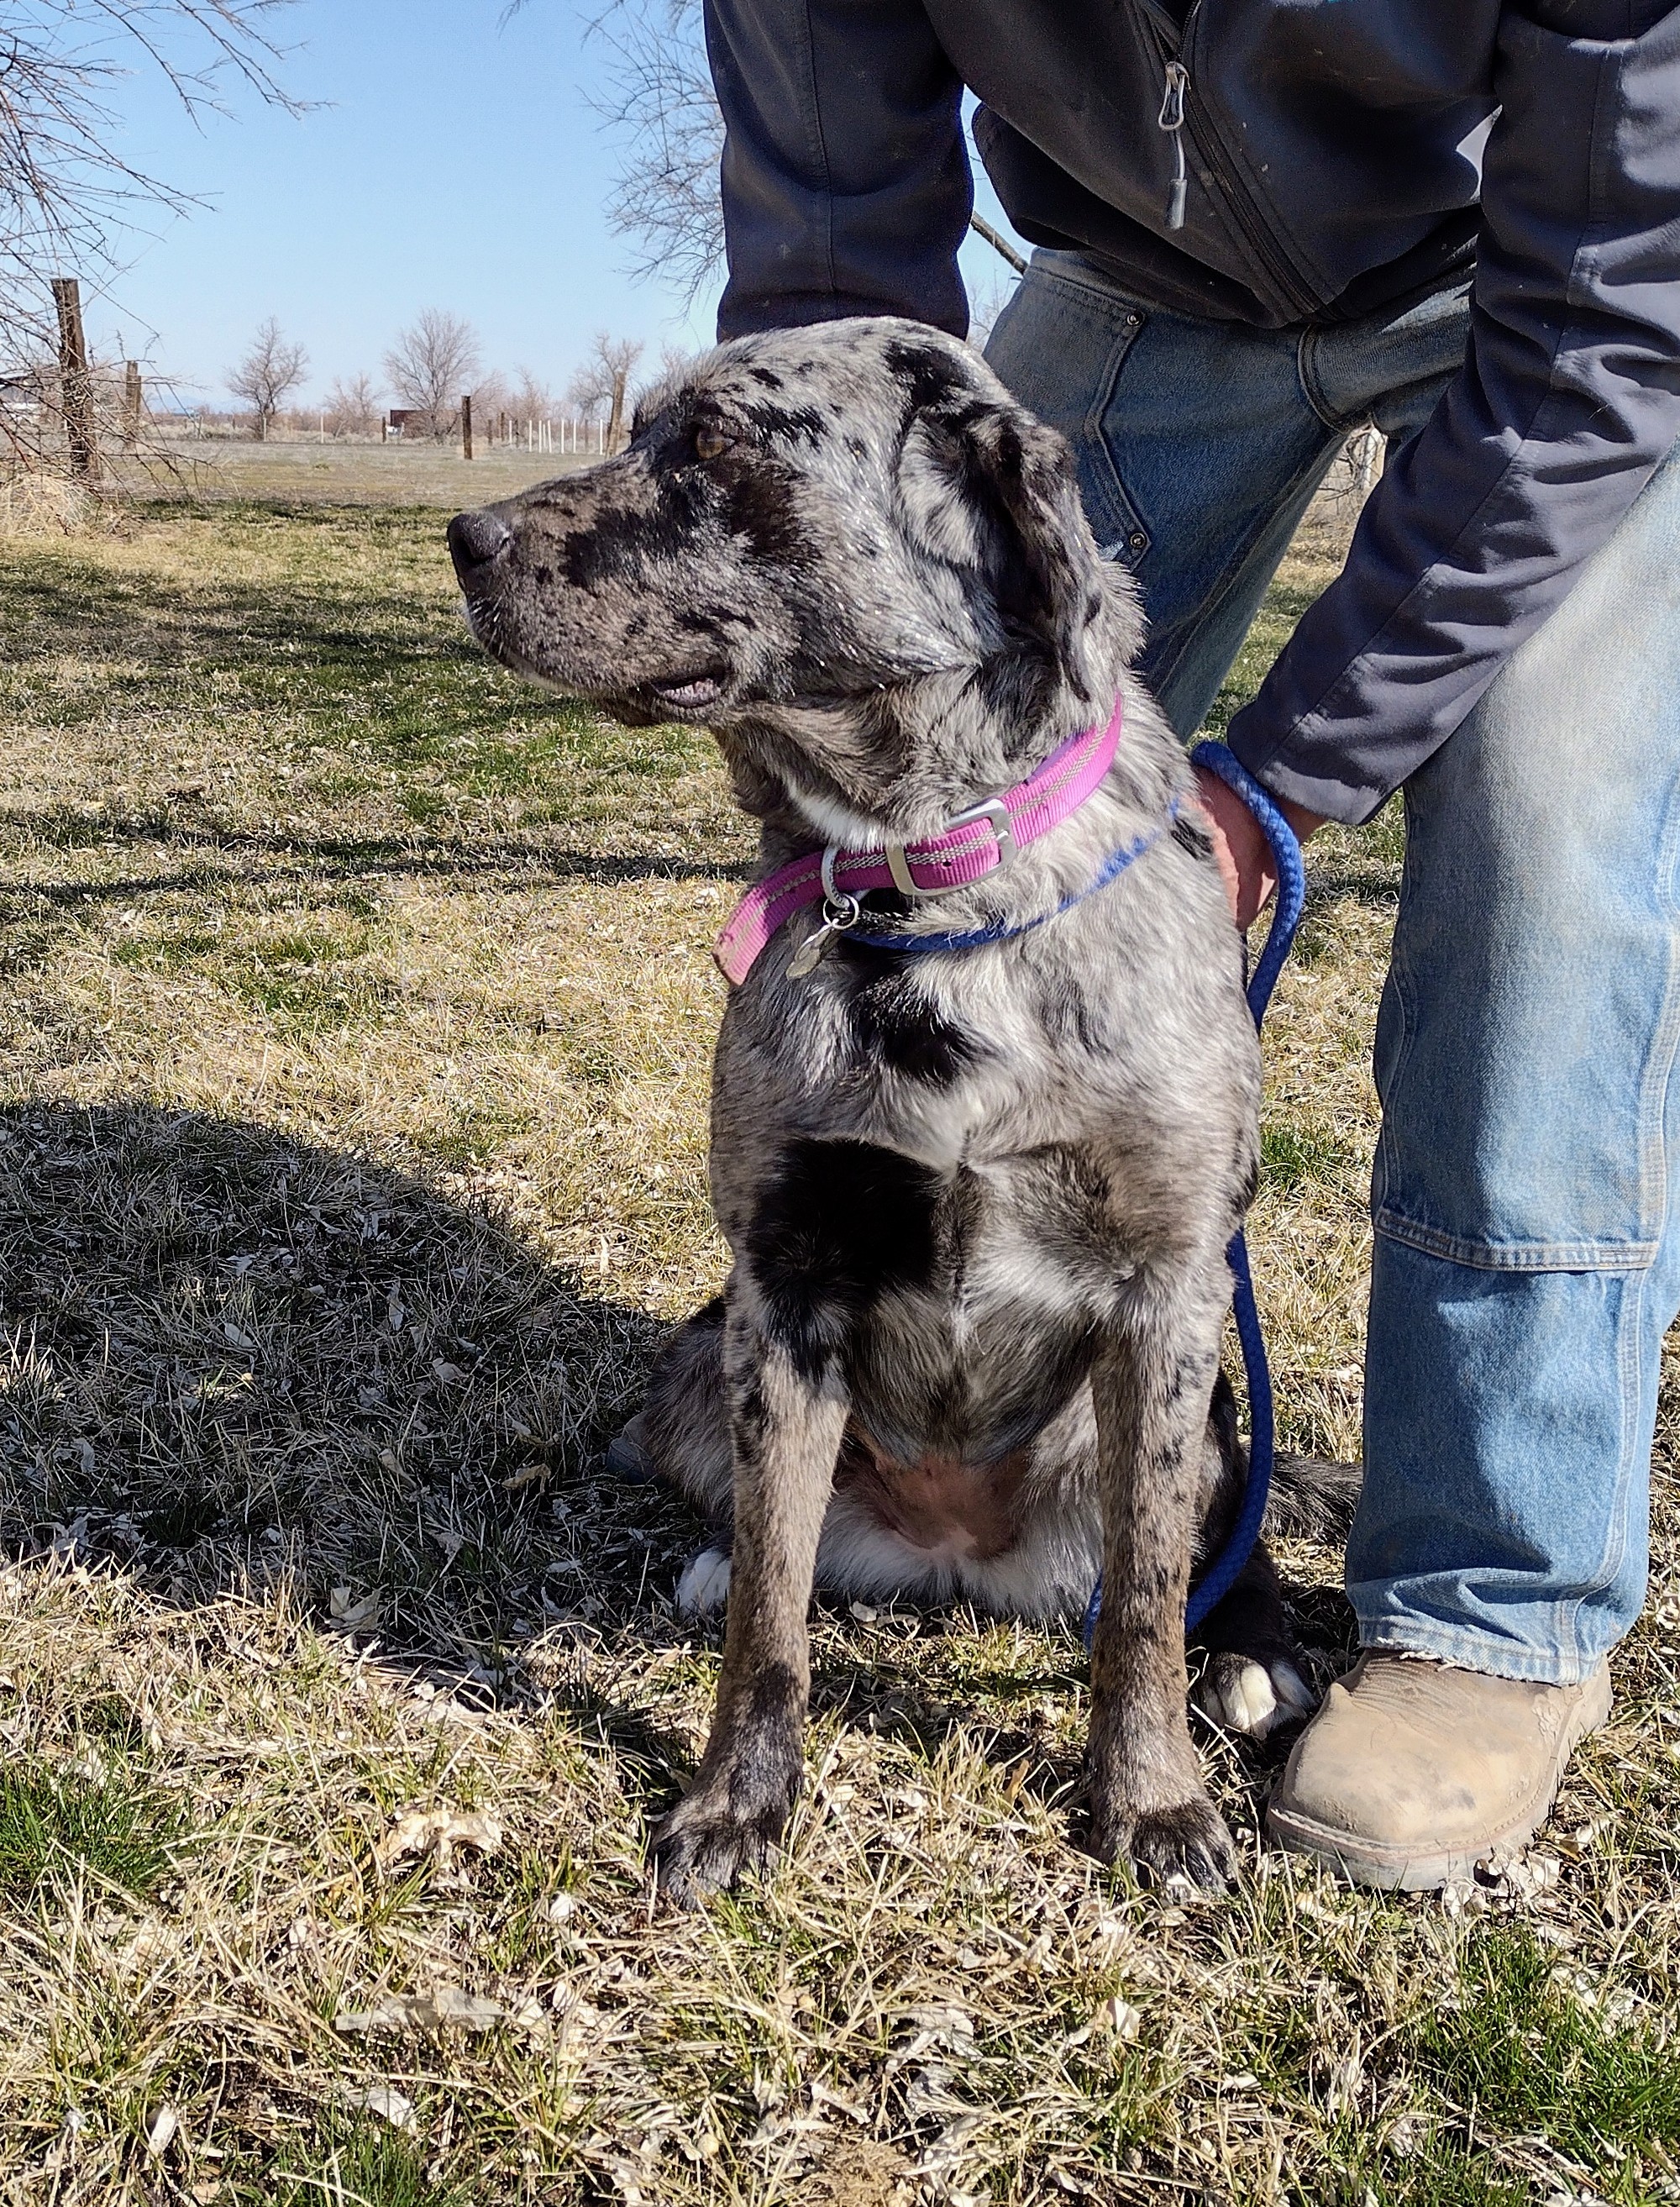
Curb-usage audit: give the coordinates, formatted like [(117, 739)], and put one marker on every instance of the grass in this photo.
[(56, 1827), (354, 1055)]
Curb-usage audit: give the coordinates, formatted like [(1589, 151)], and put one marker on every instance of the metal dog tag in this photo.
[(840, 909), (836, 918)]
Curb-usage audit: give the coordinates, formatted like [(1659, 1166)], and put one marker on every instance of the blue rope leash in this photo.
[(1221, 1574)]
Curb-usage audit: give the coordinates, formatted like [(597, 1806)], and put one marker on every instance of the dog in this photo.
[(977, 1157)]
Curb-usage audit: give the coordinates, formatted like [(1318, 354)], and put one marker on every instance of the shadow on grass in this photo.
[(302, 858), (232, 1357), (235, 1358)]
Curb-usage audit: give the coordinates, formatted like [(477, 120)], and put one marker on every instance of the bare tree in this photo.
[(353, 406), (529, 398), (66, 193), (271, 369), (598, 390), (656, 103), (433, 363)]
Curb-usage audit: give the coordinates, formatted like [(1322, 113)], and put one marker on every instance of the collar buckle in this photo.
[(992, 809)]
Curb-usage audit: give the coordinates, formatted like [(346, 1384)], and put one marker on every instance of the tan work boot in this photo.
[(1413, 1772)]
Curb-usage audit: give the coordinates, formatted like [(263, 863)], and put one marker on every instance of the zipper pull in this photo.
[(1171, 119)]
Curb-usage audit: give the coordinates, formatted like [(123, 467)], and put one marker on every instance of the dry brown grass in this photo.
[(355, 1052), (404, 472)]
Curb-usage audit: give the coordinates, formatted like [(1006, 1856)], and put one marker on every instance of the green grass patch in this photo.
[(1533, 2058), (363, 2164), (56, 1828), (1295, 1155)]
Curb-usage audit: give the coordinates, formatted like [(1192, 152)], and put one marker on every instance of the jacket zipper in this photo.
[(1171, 118), (1174, 119)]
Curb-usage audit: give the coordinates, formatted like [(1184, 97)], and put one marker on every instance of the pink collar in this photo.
[(978, 842)]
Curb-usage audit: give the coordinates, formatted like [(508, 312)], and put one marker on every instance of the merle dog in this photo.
[(977, 1199)]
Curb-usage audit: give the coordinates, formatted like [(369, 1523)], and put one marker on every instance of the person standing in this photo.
[(1260, 224)]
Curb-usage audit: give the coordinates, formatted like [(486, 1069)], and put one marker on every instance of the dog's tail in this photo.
[(1313, 1499)]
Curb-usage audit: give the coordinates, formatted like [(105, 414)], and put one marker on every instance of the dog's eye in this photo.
[(710, 444)]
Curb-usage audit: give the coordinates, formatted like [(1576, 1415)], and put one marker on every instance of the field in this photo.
[(353, 1068)]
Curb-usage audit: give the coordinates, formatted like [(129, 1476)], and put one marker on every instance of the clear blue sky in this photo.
[(454, 161)]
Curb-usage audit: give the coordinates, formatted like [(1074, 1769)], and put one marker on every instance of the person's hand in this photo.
[(1245, 864)]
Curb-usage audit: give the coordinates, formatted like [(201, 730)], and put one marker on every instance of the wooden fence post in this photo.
[(134, 396), (76, 385), (616, 423), (467, 427)]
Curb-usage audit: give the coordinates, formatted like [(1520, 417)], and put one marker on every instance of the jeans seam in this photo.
[(1306, 374), (1161, 672), (1653, 1114), (1515, 1256), (1388, 1148), (1654, 1163), (1109, 294), (1486, 1653), (1124, 339)]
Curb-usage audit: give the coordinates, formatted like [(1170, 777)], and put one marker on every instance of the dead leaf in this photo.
[(535, 1473), (451, 1375), (162, 2129), (355, 1612), (385, 2100), (235, 1337), (443, 2007), (437, 1832)]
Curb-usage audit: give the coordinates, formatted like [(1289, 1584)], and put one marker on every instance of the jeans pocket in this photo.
[(1060, 345)]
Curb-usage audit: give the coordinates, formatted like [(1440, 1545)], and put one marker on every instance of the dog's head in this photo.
[(845, 549)]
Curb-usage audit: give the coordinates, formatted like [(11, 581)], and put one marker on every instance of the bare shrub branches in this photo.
[(353, 406), (271, 369), (431, 365), (66, 191)]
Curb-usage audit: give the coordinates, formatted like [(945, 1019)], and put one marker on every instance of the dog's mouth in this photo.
[(693, 693)]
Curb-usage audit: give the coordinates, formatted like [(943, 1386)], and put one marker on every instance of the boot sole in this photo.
[(1393, 1870)]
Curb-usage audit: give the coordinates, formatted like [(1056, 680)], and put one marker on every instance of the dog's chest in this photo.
[(950, 1075)]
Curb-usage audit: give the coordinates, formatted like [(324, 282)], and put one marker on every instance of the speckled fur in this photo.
[(978, 1202)]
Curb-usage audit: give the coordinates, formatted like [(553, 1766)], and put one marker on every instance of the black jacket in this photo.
[(1342, 155)]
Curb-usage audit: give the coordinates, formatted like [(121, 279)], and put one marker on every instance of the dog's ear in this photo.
[(994, 489)]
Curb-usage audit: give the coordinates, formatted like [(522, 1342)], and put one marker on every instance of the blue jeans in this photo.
[(1527, 1259)]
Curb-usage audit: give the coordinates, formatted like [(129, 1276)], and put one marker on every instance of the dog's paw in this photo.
[(703, 1847), (703, 1587), (1188, 1845), (627, 1456), (1253, 1698)]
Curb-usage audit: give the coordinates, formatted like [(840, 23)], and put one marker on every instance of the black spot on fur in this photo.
[(610, 549), (931, 379), (840, 1225), (760, 506), (794, 424), (767, 377), (1191, 838), (893, 1023)]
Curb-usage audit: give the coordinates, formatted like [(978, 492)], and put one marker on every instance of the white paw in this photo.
[(704, 1584), (1296, 1699), (1241, 1700), (1253, 1700)]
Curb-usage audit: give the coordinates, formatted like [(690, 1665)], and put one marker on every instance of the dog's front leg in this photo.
[(1152, 1387), (785, 1430)]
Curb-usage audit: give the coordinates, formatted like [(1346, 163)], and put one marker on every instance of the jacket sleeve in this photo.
[(1568, 401), (845, 180)]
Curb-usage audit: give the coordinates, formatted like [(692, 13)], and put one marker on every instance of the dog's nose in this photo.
[(474, 539)]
